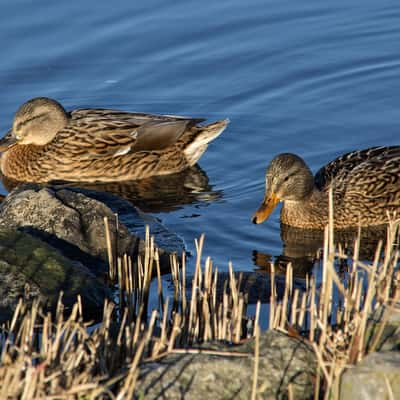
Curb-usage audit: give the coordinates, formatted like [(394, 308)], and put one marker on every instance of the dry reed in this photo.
[(339, 318), (55, 355)]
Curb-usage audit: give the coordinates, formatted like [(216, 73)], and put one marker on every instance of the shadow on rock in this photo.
[(32, 269)]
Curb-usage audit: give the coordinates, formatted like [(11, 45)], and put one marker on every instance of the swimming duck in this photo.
[(47, 143), (365, 185)]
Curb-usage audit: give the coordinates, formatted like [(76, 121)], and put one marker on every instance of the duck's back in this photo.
[(366, 183), (352, 164)]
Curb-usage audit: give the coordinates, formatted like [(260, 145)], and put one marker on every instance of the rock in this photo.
[(53, 239), (377, 376), (390, 334), (136, 221), (30, 268), (283, 360), (70, 221)]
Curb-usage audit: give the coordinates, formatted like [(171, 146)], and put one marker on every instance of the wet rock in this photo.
[(30, 268), (282, 360), (136, 221), (52, 239), (68, 221), (72, 222), (377, 376)]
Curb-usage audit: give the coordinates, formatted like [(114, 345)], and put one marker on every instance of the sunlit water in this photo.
[(315, 78)]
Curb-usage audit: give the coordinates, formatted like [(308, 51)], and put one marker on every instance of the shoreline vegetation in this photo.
[(340, 320)]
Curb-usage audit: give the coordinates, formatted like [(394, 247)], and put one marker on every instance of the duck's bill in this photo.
[(266, 208), (7, 141)]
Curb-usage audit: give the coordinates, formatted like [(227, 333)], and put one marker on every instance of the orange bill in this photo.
[(7, 141), (266, 208)]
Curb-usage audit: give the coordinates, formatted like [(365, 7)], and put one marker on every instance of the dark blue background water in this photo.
[(315, 78)]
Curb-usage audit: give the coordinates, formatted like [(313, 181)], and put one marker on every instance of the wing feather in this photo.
[(101, 133)]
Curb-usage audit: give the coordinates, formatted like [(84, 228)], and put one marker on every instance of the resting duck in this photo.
[(47, 143), (365, 184)]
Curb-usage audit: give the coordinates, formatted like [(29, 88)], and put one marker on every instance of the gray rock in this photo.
[(70, 221), (136, 221), (52, 238), (390, 334), (30, 268), (377, 376), (283, 360)]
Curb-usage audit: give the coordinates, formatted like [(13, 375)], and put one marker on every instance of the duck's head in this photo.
[(36, 122), (288, 178)]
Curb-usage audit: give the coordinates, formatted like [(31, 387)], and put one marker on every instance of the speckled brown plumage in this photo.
[(365, 185), (100, 145)]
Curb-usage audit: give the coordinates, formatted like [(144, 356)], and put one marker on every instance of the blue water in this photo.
[(315, 78)]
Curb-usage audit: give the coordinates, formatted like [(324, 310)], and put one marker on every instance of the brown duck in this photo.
[(365, 185), (47, 143)]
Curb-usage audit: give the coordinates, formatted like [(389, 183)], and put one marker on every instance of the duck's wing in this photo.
[(98, 133), (340, 168)]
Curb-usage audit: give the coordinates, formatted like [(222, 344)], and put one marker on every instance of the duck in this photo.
[(365, 187), (46, 143)]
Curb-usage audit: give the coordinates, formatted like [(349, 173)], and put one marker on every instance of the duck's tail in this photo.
[(194, 150)]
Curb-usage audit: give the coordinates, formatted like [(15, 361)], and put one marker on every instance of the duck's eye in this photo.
[(286, 178)]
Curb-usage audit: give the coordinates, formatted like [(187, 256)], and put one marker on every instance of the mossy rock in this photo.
[(30, 268), (72, 221)]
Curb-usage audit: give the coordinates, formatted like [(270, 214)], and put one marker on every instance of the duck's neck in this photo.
[(309, 213)]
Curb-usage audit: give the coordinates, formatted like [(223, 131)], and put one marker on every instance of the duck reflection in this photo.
[(157, 194), (303, 248)]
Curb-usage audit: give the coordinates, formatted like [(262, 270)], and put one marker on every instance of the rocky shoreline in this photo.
[(53, 240)]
